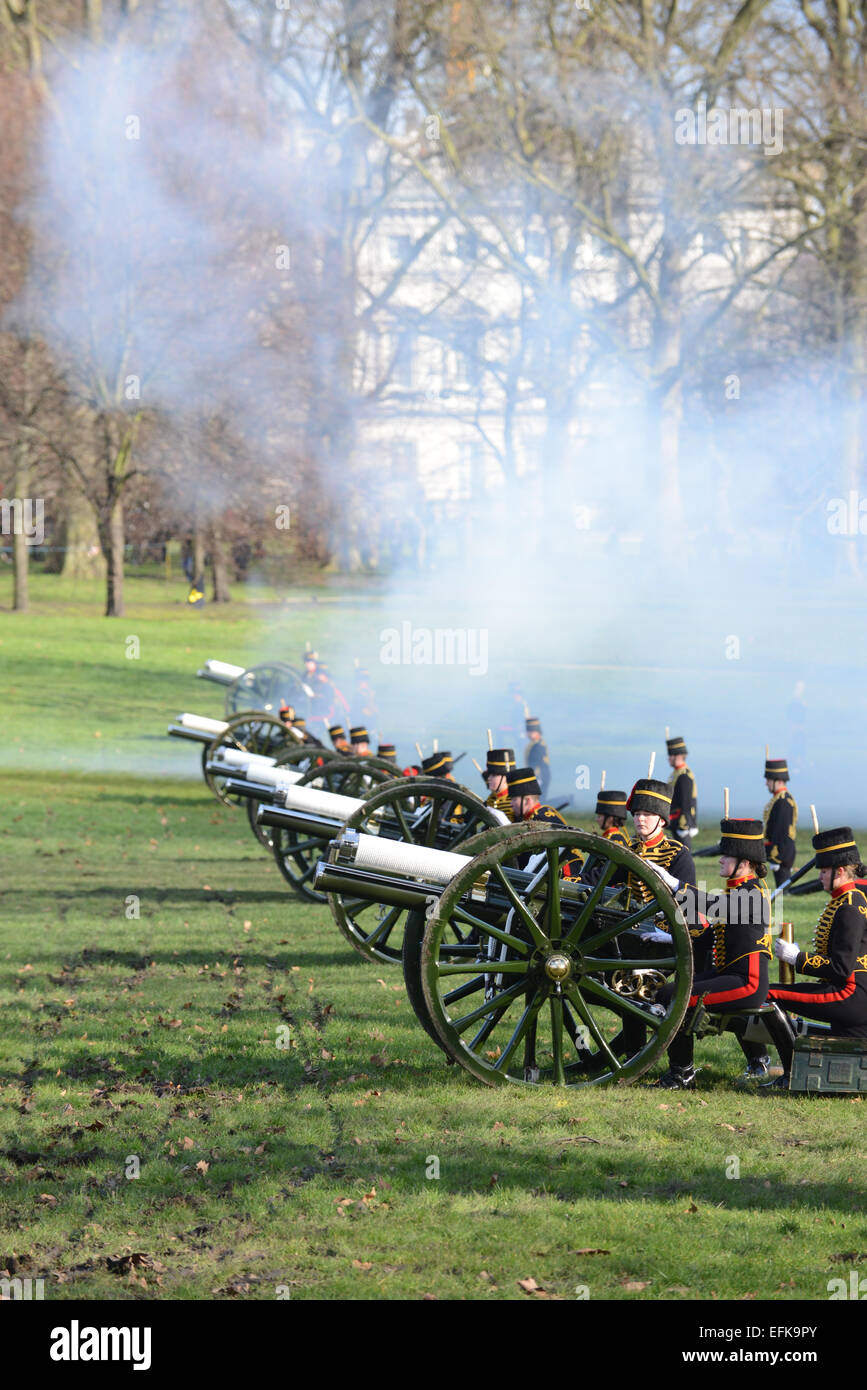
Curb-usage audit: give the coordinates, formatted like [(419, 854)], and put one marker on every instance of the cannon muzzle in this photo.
[(222, 672)]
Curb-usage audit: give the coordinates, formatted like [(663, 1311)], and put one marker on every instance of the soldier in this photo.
[(526, 798), (297, 721), (682, 819), (649, 803), (364, 699), (337, 734), (611, 816), (837, 958), (738, 931), (536, 754), (360, 740), (438, 765), (781, 820), (500, 762), (389, 752)]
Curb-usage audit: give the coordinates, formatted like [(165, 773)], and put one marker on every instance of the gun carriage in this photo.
[(520, 974), (305, 818), (263, 687)]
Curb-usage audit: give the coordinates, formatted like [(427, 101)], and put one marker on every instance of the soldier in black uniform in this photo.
[(649, 803), (360, 740), (337, 734), (781, 820), (438, 765), (500, 762), (296, 721), (738, 931), (837, 958), (536, 754), (683, 816), (525, 794), (611, 815)]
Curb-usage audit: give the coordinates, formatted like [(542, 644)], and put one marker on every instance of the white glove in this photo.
[(655, 935), (668, 879), (786, 950), (693, 832)]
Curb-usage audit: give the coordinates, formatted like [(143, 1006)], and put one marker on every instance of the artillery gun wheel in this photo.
[(350, 776), (537, 1005), (297, 854), (296, 758), (414, 930), (252, 732), (264, 687), (417, 810)]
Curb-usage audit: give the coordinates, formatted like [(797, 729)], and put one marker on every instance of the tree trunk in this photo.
[(20, 557), (198, 549), (112, 536), (79, 534), (220, 569)]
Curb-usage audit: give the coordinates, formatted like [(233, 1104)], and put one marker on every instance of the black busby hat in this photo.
[(533, 726), (298, 721), (835, 847), (776, 769), (387, 750), (287, 713), (359, 734), (650, 795), (611, 803), (742, 839), (522, 782), (335, 732), (310, 654), (437, 765), (500, 760), (675, 747)]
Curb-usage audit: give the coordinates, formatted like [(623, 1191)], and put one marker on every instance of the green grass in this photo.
[(155, 1038)]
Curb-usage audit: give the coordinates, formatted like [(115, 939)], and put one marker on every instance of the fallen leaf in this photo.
[(202, 1166), (362, 1264), (635, 1285), (590, 1251), (188, 1142)]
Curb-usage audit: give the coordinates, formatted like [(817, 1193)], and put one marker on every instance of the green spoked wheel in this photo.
[(297, 852), (295, 758), (251, 732), (350, 776), (419, 811), (266, 687), (553, 994), (456, 940)]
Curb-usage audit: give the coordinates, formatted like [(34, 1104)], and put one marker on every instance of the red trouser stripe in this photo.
[(729, 996), (788, 994)]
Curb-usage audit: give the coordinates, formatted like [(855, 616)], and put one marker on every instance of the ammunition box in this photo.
[(829, 1066)]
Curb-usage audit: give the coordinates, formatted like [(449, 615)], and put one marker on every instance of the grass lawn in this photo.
[(217, 1098)]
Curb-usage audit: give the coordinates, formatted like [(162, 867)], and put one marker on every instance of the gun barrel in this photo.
[(199, 722), (269, 793), (316, 826), (220, 671)]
